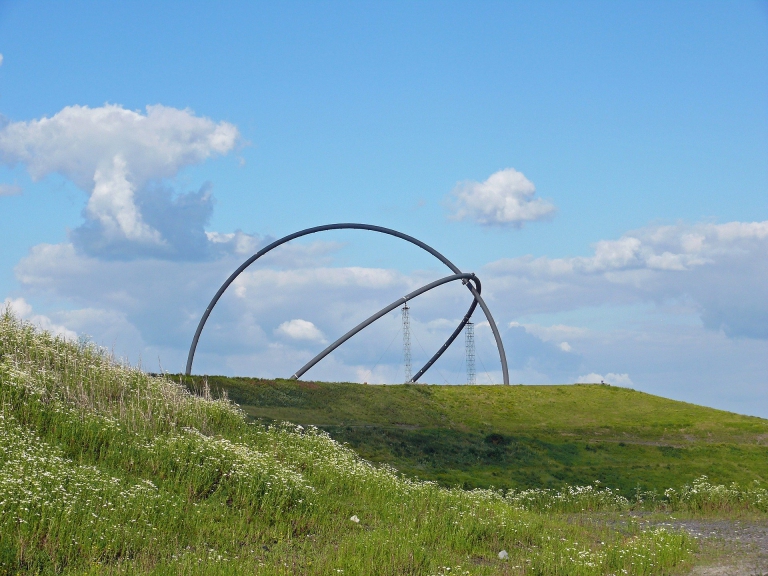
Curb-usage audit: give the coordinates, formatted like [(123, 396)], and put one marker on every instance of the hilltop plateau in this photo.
[(518, 436)]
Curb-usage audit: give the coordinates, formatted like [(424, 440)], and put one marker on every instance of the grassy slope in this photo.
[(104, 469), (520, 436)]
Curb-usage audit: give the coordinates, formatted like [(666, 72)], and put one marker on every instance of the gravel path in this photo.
[(744, 545)]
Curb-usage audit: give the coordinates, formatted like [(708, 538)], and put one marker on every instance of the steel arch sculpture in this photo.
[(469, 280)]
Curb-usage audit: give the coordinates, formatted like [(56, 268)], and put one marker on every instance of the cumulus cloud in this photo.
[(22, 309), (299, 329), (10, 190), (162, 224), (506, 198), (610, 378), (80, 141), (120, 157)]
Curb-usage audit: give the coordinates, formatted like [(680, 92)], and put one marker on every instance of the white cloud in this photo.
[(119, 157), (78, 141), (238, 242), (740, 230), (112, 205), (10, 190), (109, 325), (163, 299), (299, 329), (564, 346), (528, 352), (1, 59), (22, 309), (506, 198), (610, 378)]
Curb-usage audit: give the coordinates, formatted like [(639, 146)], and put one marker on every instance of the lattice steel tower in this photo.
[(469, 341), (407, 342)]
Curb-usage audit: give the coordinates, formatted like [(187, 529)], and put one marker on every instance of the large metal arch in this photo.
[(373, 228)]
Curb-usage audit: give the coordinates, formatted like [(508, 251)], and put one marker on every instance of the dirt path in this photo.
[(735, 547)]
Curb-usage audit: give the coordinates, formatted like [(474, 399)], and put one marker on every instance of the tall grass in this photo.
[(699, 497), (106, 469)]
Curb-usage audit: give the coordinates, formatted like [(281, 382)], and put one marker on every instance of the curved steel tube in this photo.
[(348, 226), (384, 311)]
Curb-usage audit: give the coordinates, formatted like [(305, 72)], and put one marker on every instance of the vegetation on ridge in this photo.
[(106, 469), (519, 437)]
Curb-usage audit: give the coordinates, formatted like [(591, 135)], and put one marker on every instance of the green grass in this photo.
[(519, 436), (107, 470)]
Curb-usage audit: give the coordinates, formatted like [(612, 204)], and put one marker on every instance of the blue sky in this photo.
[(642, 127)]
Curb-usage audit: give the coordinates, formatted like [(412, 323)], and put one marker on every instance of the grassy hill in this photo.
[(107, 470), (519, 436)]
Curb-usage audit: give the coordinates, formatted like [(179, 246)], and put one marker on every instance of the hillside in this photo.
[(107, 470), (519, 436)]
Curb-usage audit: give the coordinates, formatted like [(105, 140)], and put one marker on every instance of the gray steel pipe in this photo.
[(348, 226)]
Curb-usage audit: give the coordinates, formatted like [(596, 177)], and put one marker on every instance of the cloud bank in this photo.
[(719, 271)]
